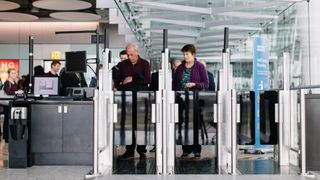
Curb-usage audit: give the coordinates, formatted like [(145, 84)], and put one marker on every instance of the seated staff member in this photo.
[(55, 68), (191, 75), (10, 88)]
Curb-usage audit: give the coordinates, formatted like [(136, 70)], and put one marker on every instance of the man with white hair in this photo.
[(134, 75)]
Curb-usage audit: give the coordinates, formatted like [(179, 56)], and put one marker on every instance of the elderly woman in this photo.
[(191, 75)]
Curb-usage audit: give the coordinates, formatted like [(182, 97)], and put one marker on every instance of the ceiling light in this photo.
[(62, 5)]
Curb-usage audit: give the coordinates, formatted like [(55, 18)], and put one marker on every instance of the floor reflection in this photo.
[(134, 165)]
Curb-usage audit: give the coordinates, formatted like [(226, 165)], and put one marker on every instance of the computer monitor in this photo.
[(46, 86), (76, 61)]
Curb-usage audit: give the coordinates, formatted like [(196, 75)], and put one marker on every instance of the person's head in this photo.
[(55, 66), (38, 71), (204, 63), (123, 55), (12, 74), (132, 52), (175, 64), (189, 52), (24, 77)]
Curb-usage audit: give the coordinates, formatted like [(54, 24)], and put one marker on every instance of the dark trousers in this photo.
[(141, 149), (6, 110), (195, 147)]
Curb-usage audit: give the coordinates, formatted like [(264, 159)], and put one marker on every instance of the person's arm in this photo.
[(204, 80), (175, 83), (211, 81), (145, 77), (7, 88), (117, 78)]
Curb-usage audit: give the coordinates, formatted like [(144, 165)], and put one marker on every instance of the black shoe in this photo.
[(143, 156), (126, 155), (153, 149), (197, 155), (184, 155)]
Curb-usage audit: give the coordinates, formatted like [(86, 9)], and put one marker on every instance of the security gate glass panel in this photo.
[(195, 133), (134, 134)]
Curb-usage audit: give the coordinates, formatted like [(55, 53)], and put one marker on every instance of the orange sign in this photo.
[(5, 65)]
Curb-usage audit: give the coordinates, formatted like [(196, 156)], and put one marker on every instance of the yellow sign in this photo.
[(56, 55)]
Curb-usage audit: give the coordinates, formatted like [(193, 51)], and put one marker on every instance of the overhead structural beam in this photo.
[(237, 27), (218, 10), (169, 26), (179, 33), (248, 15), (218, 32), (215, 44), (180, 40), (174, 7), (179, 22), (168, 14), (210, 38), (208, 50)]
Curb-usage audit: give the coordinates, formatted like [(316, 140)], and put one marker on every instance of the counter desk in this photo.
[(60, 132)]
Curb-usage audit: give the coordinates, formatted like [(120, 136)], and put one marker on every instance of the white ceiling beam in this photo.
[(219, 37), (162, 14), (176, 40), (231, 22), (209, 50), (220, 32), (215, 44), (179, 33), (178, 22), (218, 10), (247, 15), (237, 27), (168, 26), (174, 7)]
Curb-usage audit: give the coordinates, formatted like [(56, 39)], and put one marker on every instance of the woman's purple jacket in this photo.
[(198, 75)]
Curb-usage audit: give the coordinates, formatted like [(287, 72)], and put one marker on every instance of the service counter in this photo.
[(60, 132)]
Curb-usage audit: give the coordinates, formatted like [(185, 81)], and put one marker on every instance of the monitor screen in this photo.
[(76, 61), (46, 86)]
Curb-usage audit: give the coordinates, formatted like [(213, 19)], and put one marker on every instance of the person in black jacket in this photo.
[(38, 72), (115, 69), (55, 67), (69, 80), (212, 85), (154, 85)]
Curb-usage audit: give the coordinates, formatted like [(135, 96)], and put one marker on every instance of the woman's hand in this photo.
[(190, 85), (19, 92)]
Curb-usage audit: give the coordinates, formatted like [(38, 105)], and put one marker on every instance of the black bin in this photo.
[(18, 138)]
